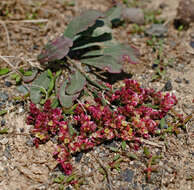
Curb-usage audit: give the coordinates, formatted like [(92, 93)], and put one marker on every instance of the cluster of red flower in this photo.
[(130, 113)]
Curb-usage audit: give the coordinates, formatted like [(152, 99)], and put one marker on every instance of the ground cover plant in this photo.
[(130, 113)]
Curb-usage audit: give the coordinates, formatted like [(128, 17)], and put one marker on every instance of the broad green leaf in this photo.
[(55, 50), (40, 85), (4, 71), (101, 30), (116, 50), (82, 23), (113, 14), (66, 100), (87, 45), (76, 83), (105, 62)]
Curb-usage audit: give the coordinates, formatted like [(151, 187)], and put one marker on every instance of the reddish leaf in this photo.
[(55, 50)]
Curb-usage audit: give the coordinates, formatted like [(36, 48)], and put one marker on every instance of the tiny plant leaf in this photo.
[(29, 76), (4, 71), (4, 131), (3, 112)]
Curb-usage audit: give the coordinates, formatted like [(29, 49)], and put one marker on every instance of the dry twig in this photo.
[(27, 21), (7, 33), (151, 143), (106, 171)]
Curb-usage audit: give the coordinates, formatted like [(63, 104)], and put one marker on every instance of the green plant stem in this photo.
[(70, 61)]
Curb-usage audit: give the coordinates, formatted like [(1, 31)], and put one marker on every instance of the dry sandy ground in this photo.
[(23, 167)]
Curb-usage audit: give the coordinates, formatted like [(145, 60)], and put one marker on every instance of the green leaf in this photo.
[(3, 112), (116, 157), (71, 130), (66, 100), (18, 79), (82, 23), (123, 144), (146, 152), (71, 110), (117, 50), (101, 30), (162, 123), (106, 62), (55, 103), (152, 106), (40, 85), (55, 50), (52, 82), (132, 156), (113, 149), (113, 14), (4, 71), (76, 83), (59, 179), (13, 76), (22, 89), (70, 178), (4, 131), (29, 75)]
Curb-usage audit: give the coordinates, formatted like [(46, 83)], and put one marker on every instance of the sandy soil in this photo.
[(23, 167)]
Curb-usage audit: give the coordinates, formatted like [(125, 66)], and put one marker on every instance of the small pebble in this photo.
[(4, 96), (127, 175), (30, 143), (3, 122), (21, 130), (4, 141), (192, 44), (8, 84), (134, 15), (186, 81), (158, 30), (7, 153), (178, 80), (145, 187), (78, 157), (20, 110), (168, 86)]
